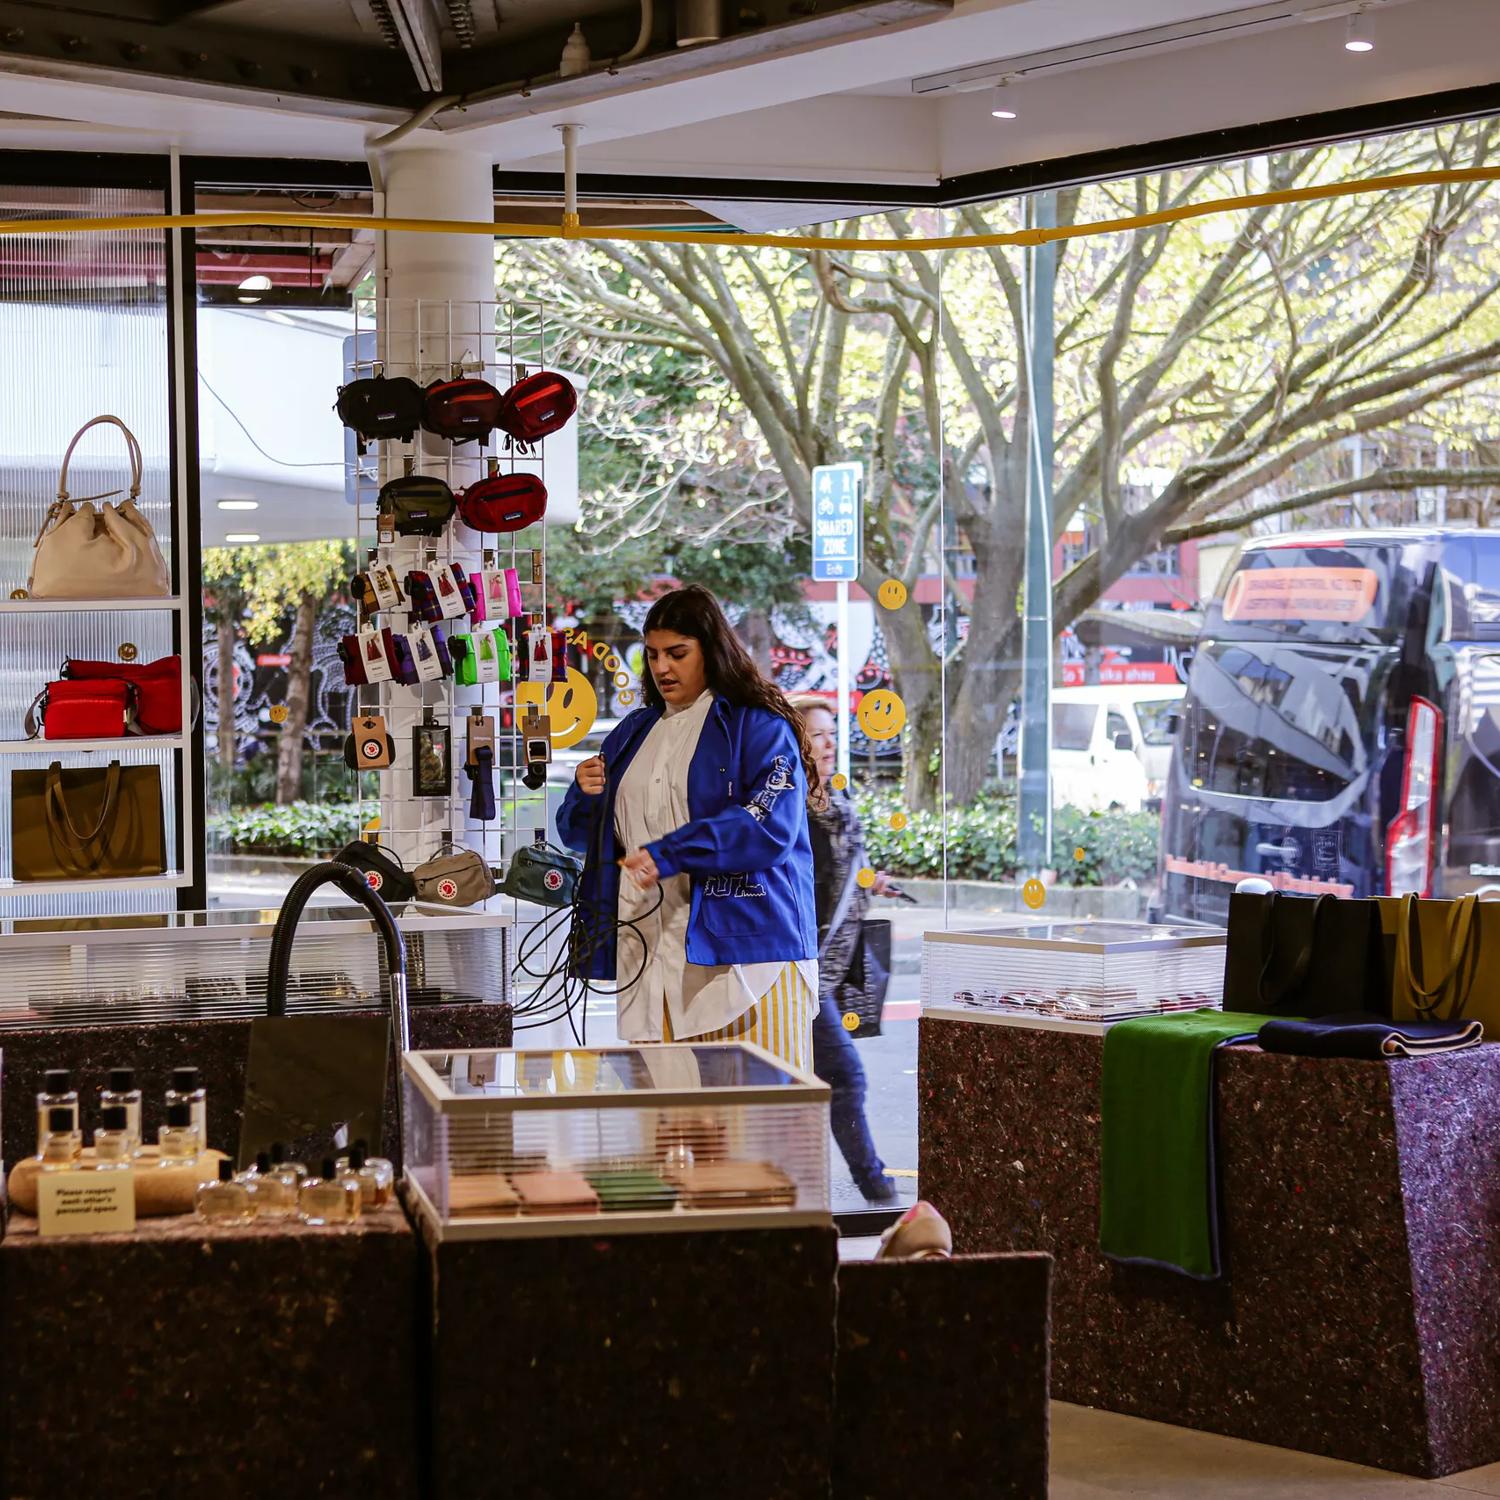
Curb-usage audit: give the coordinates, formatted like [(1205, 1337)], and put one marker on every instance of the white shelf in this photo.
[(118, 742), (89, 606), (172, 880)]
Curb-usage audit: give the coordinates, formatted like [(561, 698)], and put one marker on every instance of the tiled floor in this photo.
[(1100, 1455)]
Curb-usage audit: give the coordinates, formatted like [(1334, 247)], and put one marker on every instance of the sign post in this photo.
[(837, 535)]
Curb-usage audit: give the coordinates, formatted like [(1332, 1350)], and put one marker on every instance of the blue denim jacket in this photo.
[(745, 846)]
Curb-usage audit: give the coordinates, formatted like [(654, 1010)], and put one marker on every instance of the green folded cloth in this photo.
[(1158, 1190)]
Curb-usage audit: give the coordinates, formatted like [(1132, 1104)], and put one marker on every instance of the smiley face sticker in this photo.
[(891, 593), (882, 714), (572, 706)]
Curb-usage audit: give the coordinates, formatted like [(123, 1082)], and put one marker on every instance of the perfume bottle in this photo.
[(178, 1139), (114, 1146), (57, 1093), (332, 1198), (186, 1089), (123, 1092), (270, 1197), (225, 1201), (60, 1147), (291, 1174), (382, 1173)]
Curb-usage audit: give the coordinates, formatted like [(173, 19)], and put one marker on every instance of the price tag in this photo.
[(449, 596), (85, 1202)]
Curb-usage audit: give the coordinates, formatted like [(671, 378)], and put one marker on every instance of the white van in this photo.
[(1112, 744)]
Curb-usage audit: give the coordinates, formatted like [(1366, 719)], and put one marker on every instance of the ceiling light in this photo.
[(255, 284), (235, 537), (1002, 102), (239, 504), (1360, 36)]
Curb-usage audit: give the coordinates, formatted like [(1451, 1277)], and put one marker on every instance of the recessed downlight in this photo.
[(239, 504), (252, 286), (240, 537)]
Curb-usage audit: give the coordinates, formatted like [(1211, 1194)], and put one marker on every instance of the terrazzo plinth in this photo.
[(1359, 1316), (941, 1383), (196, 1359), (646, 1366)]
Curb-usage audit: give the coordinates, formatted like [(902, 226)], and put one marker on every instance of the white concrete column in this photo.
[(435, 309)]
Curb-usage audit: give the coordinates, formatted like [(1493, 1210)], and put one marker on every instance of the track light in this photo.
[(1360, 37), (1002, 101)]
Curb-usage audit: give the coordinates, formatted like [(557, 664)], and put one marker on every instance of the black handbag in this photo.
[(862, 994), (383, 872), (1304, 956), (379, 408)]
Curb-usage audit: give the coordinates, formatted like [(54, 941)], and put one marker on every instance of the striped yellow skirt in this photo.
[(781, 1021)]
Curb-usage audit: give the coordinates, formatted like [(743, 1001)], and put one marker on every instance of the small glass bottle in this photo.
[(57, 1093), (269, 1195), (123, 1092), (332, 1198), (114, 1146), (384, 1173), (60, 1148), (185, 1088), (225, 1201), (291, 1174), (178, 1139)]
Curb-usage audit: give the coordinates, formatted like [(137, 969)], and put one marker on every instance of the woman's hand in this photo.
[(883, 883), (641, 868), (590, 775)]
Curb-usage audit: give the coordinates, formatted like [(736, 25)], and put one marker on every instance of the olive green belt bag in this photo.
[(87, 822)]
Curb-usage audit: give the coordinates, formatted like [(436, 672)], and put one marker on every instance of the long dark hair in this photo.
[(732, 675)]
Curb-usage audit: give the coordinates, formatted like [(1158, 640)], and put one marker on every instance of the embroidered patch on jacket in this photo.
[(732, 885), (763, 802)]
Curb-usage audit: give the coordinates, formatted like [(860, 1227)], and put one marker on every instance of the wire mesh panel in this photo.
[(1074, 971), (197, 965), (624, 1139)]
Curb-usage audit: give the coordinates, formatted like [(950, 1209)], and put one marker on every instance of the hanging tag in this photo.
[(419, 637), (450, 598), (372, 746), (488, 668), (385, 588), (385, 528), (372, 654), (481, 734), (539, 653), (536, 566), (536, 732)]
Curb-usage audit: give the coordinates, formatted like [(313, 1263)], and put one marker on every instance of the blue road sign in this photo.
[(837, 521)]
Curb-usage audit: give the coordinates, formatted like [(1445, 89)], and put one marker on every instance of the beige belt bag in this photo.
[(109, 553)]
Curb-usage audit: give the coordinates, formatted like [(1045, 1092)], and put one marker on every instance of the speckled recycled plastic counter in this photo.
[(941, 1387), (218, 1049), (644, 1365), (189, 1359), (1360, 1313)]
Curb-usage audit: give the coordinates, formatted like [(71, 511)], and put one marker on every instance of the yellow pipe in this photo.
[(573, 231)]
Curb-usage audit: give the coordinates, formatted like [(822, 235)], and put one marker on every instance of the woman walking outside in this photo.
[(838, 853), (698, 878)]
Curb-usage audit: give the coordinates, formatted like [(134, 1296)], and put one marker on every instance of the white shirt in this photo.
[(652, 801)]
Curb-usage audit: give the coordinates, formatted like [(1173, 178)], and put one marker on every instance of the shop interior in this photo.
[(1087, 419)]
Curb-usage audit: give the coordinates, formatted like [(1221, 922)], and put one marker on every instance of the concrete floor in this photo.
[(1100, 1455)]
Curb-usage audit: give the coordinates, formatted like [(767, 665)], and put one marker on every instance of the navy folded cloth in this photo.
[(1360, 1034)]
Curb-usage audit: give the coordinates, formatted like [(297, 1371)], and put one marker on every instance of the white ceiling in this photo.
[(844, 111)]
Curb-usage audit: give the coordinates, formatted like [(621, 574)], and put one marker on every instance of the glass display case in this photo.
[(92, 971), (1070, 974), (618, 1139)]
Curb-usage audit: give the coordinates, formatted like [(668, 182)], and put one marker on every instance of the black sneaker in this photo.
[(880, 1189)]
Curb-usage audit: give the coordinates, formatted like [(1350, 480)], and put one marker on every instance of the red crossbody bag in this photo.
[(100, 710), (158, 686)]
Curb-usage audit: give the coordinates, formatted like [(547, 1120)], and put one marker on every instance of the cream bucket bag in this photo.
[(109, 553)]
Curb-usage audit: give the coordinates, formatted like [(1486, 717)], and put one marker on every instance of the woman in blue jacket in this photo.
[(697, 893)]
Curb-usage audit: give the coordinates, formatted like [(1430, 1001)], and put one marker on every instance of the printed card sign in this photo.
[(85, 1202)]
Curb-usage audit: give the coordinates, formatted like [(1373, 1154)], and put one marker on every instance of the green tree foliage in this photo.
[(1209, 374)]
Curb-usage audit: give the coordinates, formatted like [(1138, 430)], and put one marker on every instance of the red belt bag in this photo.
[(157, 684), (82, 710)]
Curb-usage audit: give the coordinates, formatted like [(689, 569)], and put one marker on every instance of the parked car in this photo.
[(1341, 729), (1111, 745)]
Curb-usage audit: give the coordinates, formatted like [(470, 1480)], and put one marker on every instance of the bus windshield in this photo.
[(1332, 593)]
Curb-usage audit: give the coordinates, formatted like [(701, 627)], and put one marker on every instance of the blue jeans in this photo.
[(837, 1063)]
